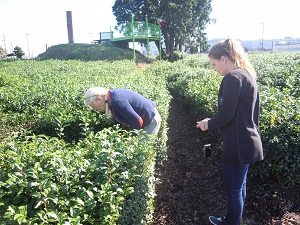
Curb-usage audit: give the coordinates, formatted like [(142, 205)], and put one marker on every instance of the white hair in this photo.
[(91, 94)]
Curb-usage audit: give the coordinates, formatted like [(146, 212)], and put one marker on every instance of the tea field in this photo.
[(62, 163)]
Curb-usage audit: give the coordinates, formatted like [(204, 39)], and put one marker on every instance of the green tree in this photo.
[(183, 21), (123, 9), (200, 18), (18, 52)]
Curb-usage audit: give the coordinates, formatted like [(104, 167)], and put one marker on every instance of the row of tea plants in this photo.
[(62, 163), (279, 84)]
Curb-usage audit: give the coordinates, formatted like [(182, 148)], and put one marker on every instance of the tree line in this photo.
[(17, 52), (182, 22)]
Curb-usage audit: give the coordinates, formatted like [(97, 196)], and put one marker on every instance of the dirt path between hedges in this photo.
[(189, 186)]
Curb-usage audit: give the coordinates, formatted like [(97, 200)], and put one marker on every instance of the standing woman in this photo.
[(237, 118)]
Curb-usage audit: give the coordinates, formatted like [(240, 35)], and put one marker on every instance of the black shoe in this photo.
[(216, 221)]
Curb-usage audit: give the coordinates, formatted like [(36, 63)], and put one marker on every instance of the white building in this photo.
[(286, 44)]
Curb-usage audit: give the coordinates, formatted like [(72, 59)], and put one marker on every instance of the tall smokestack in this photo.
[(70, 27)]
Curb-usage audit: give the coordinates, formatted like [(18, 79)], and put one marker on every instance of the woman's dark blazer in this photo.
[(237, 118)]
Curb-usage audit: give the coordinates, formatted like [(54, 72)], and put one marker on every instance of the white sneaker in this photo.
[(216, 221)]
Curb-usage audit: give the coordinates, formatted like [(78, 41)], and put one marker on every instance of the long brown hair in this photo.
[(235, 52)]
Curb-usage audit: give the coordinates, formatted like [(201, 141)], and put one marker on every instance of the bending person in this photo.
[(127, 107)]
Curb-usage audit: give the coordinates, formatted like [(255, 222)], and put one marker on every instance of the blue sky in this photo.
[(35, 24), (45, 22)]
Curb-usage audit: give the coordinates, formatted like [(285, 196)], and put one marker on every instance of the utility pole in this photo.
[(11, 47), (4, 42), (91, 37), (262, 38), (28, 45)]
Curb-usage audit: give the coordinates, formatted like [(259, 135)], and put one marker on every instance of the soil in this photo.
[(189, 186)]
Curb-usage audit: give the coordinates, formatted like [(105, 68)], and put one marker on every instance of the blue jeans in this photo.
[(234, 178)]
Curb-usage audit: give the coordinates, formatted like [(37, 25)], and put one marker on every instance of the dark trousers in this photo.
[(234, 178)]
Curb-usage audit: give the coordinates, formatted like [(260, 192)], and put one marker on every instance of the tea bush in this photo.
[(278, 79), (106, 178), (60, 161)]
